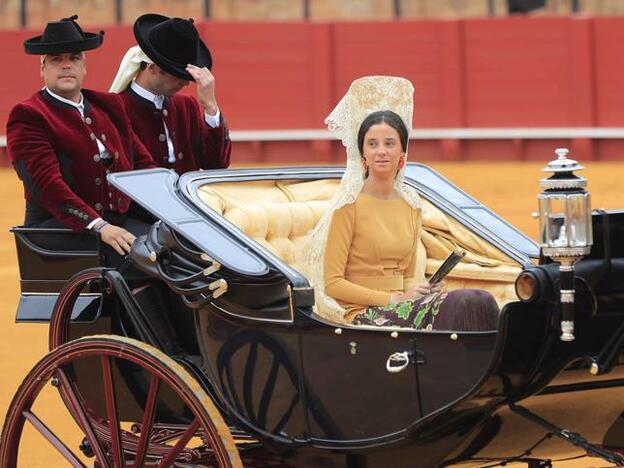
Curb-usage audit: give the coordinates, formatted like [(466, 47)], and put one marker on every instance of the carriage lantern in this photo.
[(565, 227)]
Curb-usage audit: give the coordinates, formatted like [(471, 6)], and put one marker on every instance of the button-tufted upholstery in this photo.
[(279, 214)]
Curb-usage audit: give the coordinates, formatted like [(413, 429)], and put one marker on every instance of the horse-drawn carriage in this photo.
[(208, 351)]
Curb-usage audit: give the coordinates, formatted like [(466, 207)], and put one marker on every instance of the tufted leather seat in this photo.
[(279, 214)]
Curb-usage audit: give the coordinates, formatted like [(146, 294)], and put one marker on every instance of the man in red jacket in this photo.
[(179, 131), (64, 140)]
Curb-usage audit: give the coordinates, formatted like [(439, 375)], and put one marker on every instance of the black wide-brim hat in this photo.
[(172, 44), (61, 37)]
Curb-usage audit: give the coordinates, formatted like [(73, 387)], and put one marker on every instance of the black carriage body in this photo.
[(301, 384)]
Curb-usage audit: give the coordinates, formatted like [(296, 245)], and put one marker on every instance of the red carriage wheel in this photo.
[(61, 314), (115, 447)]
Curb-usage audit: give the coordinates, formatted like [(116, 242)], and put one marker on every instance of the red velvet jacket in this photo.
[(196, 144), (55, 154)]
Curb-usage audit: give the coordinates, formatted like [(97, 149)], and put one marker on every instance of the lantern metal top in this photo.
[(562, 163), (563, 177)]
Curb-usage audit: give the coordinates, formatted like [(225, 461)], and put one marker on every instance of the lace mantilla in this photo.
[(128, 69), (365, 96)]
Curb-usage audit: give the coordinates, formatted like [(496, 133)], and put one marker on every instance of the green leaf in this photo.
[(371, 314), (403, 310), (419, 317)]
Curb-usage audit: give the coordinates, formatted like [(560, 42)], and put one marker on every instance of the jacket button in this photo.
[(98, 181), (98, 207), (88, 120), (103, 137), (162, 137), (110, 194), (110, 206), (116, 155), (85, 216), (165, 112), (96, 157), (180, 155), (92, 136)]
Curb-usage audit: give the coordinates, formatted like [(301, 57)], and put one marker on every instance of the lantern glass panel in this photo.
[(588, 221), (544, 213), (554, 227), (579, 232)]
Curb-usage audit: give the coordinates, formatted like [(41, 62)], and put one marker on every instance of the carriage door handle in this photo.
[(398, 361)]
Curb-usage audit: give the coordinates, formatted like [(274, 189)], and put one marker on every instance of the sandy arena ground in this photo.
[(509, 189)]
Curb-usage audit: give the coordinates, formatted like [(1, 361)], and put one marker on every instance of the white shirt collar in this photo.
[(78, 105), (157, 99)]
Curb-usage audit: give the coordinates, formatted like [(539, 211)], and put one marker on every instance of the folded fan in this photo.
[(447, 265)]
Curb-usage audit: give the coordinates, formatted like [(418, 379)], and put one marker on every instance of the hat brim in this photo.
[(34, 46), (144, 24)]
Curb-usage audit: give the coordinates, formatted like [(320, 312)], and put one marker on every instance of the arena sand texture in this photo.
[(509, 189)]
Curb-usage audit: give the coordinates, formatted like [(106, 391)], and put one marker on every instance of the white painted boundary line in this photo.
[(436, 134), (443, 133)]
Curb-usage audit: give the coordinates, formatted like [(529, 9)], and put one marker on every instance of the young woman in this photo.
[(362, 256), (370, 257)]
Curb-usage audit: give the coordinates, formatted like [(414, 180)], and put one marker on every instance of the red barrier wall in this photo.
[(507, 72)]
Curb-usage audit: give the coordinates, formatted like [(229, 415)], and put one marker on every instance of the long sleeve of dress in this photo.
[(412, 274), (336, 256)]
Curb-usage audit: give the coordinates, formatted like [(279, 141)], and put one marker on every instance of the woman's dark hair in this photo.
[(387, 117)]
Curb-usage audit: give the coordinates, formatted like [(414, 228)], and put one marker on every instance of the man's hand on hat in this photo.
[(205, 88)]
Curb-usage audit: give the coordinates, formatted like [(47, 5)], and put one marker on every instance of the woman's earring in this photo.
[(401, 163)]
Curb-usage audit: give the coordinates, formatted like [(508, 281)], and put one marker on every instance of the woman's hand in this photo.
[(416, 292)]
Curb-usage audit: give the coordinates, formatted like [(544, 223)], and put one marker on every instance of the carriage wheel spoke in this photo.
[(76, 408), (148, 419), (51, 437), (205, 438), (177, 448), (111, 410)]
